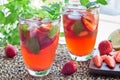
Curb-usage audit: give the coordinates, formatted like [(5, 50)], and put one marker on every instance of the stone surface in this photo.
[(14, 69)]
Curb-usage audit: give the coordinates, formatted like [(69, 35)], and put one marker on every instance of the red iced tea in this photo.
[(39, 42), (80, 27)]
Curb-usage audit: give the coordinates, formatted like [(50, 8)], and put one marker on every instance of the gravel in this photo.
[(14, 69)]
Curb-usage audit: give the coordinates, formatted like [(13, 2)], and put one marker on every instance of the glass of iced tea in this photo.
[(80, 28), (38, 42)]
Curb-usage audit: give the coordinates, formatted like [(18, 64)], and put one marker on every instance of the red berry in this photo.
[(105, 47), (117, 58), (110, 61), (89, 21), (69, 68), (97, 59), (10, 51)]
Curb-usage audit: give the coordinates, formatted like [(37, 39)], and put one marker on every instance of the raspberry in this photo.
[(105, 47)]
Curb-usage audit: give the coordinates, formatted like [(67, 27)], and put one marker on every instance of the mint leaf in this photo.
[(53, 10), (2, 18), (66, 1), (78, 27), (89, 4), (84, 2), (103, 2), (33, 45), (49, 10), (44, 0), (53, 31)]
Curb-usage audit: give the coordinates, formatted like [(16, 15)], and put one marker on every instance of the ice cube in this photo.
[(75, 15)]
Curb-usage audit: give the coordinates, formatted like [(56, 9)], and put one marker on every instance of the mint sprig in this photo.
[(53, 10), (89, 4)]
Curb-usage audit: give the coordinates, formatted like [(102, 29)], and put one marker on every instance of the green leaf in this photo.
[(90, 4), (2, 17), (66, 1), (11, 18), (78, 27), (103, 2), (33, 45), (1, 7), (53, 10), (84, 2), (44, 0), (24, 28), (49, 10), (53, 31), (62, 34)]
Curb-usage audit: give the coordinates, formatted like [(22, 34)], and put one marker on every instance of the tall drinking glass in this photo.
[(38, 42), (80, 28)]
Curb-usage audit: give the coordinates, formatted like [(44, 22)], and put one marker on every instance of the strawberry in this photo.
[(109, 60), (10, 51), (103, 57), (89, 21), (114, 54), (105, 47), (69, 68), (97, 61), (117, 58)]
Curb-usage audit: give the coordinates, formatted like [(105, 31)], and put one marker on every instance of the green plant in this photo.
[(89, 4), (9, 15)]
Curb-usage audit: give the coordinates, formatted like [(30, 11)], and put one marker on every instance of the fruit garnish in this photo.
[(33, 45), (97, 61), (53, 31), (83, 33), (114, 54), (117, 58), (103, 57), (105, 47), (10, 51), (114, 38), (78, 27), (89, 21), (109, 60), (69, 68)]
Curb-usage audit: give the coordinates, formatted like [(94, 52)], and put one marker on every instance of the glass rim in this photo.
[(81, 7), (36, 20)]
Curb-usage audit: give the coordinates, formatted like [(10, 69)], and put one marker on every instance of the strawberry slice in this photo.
[(114, 54), (89, 21), (103, 57), (97, 61), (117, 58), (109, 60)]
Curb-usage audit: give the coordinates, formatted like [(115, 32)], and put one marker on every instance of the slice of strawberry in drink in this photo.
[(41, 34), (89, 21), (24, 33), (68, 22)]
